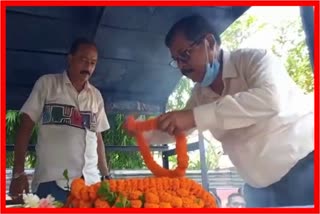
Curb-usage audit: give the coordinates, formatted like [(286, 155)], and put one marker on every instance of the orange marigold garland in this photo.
[(138, 127), (175, 192), (156, 192)]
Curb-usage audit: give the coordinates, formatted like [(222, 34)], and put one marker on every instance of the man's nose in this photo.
[(181, 64)]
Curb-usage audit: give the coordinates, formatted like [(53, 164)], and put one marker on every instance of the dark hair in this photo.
[(234, 195), (80, 41), (192, 27)]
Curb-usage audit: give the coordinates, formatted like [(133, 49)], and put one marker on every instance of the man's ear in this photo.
[(211, 40)]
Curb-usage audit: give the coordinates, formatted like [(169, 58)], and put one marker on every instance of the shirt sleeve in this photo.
[(268, 83), (36, 100), (102, 120)]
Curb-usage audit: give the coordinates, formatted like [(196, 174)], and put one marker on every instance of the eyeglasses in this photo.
[(185, 55)]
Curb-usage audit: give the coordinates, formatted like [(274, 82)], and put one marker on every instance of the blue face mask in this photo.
[(211, 74)]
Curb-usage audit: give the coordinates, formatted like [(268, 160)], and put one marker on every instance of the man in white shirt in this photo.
[(71, 116), (250, 104)]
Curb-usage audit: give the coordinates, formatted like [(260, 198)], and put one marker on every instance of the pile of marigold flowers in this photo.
[(169, 189), (152, 192)]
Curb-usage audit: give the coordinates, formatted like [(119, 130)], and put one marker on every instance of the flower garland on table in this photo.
[(138, 127), (150, 192)]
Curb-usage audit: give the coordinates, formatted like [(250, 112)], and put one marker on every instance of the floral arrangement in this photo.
[(168, 189), (152, 192), (138, 127), (33, 201)]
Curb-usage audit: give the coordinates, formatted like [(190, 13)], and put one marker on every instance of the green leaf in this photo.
[(65, 174), (142, 199), (58, 204), (106, 194)]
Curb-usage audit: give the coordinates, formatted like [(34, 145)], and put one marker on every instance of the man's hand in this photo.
[(18, 186), (176, 121)]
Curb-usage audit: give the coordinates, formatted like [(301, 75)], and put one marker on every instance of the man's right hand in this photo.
[(18, 186)]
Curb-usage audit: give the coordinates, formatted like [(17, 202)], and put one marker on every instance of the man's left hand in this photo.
[(176, 121)]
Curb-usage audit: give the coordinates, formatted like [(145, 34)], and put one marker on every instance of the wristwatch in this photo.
[(105, 177)]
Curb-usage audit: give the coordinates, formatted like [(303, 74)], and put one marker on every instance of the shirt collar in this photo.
[(67, 81), (228, 69)]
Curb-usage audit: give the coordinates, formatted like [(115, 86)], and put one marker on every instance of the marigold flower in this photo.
[(151, 197), (85, 204), (176, 202), (151, 205), (99, 203), (165, 205), (134, 195), (136, 203)]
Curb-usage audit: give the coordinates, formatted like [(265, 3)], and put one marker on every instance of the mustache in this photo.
[(85, 72), (186, 71)]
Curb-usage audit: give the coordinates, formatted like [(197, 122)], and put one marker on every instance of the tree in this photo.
[(117, 136), (290, 45), (179, 96), (240, 31), (12, 125)]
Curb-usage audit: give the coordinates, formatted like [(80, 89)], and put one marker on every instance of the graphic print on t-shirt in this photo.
[(60, 114)]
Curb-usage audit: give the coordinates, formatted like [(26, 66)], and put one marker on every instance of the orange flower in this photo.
[(136, 203), (76, 186), (85, 204), (164, 205), (113, 185), (99, 203), (84, 193), (181, 148), (75, 203), (92, 193), (134, 195), (176, 202), (151, 197), (165, 196), (140, 185), (69, 201), (151, 205), (200, 202), (187, 202), (182, 192)]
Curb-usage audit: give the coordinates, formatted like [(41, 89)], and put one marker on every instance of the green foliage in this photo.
[(178, 98), (66, 176), (212, 158), (12, 125), (117, 136), (105, 193), (242, 29), (290, 45)]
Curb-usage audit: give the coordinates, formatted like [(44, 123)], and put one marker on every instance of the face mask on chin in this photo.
[(211, 72)]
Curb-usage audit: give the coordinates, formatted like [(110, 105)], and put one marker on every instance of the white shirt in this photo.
[(68, 122), (263, 119)]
